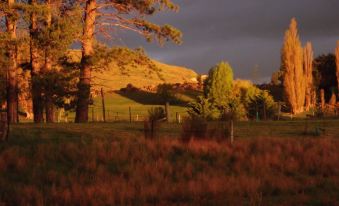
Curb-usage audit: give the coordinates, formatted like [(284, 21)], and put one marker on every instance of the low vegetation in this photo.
[(76, 165)]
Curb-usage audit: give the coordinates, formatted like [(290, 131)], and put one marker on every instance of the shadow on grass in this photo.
[(149, 98)]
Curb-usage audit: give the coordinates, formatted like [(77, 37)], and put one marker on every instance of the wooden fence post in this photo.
[(167, 111), (232, 132), (103, 105), (130, 114), (279, 110), (92, 114)]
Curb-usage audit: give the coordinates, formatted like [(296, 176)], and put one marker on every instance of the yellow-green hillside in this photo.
[(139, 75)]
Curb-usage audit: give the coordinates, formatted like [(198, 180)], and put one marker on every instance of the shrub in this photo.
[(204, 109), (151, 126), (199, 128)]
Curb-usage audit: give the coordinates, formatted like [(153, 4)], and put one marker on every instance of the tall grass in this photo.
[(135, 171)]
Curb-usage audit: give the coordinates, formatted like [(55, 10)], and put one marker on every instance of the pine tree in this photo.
[(49, 107), (294, 80), (308, 69), (85, 70), (35, 63), (12, 87), (128, 15), (218, 85)]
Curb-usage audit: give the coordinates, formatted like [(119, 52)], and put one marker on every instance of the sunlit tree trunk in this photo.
[(12, 90), (85, 71), (35, 70), (337, 62), (308, 68), (49, 106)]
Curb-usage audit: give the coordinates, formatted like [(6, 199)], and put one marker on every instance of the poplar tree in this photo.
[(308, 68), (294, 80), (130, 15), (337, 62)]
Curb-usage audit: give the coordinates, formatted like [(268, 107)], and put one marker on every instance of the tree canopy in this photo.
[(218, 85)]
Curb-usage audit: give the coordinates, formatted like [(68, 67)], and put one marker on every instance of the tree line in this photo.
[(304, 78), (37, 34)]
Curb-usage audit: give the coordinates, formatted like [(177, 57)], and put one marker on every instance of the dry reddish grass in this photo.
[(270, 171)]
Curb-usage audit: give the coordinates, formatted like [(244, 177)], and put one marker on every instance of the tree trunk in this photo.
[(308, 69), (12, 92), (322, 99), (85, 71), (49, 105), (35, 71), (337, 63)]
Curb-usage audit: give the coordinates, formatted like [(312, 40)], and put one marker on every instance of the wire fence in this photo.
[(129, 114)]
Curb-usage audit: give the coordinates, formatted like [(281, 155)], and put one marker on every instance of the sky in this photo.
[(246, 33)]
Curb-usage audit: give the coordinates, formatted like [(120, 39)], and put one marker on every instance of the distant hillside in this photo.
[(140, 75)]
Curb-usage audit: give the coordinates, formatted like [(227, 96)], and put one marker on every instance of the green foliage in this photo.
[(123, 57), (218, 85), (156, 113), (166, 92), (324, 74), (204, 109), (56, 39), (263, 104), (132, 15), (242, 102), (61, 85)]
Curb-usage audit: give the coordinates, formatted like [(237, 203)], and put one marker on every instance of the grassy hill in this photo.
[(140, 75)]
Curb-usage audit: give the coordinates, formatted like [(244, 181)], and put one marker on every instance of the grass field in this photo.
[(118, 104), (271, 163)]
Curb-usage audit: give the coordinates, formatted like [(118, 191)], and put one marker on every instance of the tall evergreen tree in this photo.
[(294, 80), (130, 15), (308, 69), (12, 87), (49, 106), (35, 63), (85, 70), (218, 85)]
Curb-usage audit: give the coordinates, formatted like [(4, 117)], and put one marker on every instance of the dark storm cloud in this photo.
[(244, 32)]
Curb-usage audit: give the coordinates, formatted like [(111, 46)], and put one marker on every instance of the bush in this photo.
[(204, 109), (199, 128), (151, 126)]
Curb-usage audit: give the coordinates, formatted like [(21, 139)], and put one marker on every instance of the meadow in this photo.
[(270, 163)]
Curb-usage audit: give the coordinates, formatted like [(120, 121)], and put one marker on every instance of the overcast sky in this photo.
[(246, 33)]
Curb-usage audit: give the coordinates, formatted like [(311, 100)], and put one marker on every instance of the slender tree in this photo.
[(337, 62), (12, 90), (128, 15), (308, 69), (293, 72)]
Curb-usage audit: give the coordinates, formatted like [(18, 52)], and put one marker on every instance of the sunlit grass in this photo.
[(112, 164)]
